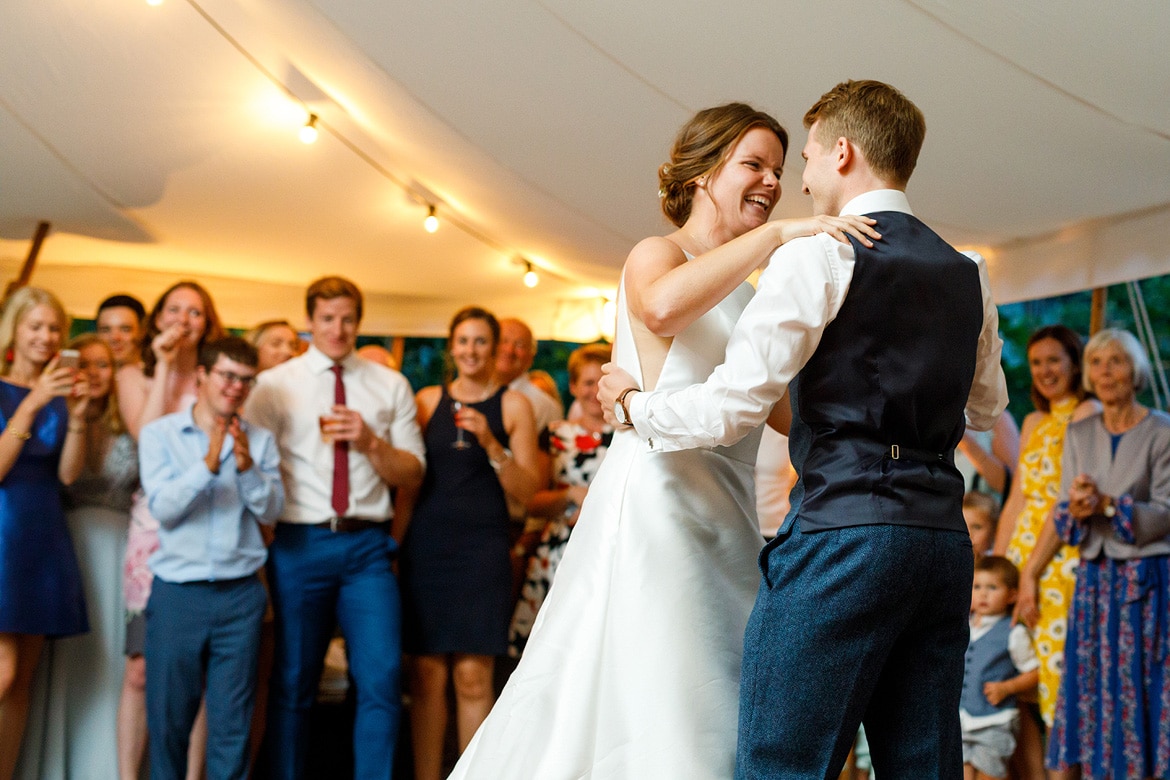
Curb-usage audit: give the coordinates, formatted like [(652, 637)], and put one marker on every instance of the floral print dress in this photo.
[(1039, 470)]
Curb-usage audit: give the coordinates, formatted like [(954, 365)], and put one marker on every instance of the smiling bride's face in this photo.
[(746, 189)]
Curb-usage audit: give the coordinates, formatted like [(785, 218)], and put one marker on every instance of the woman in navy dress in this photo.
[(42, 446), (456, 569)]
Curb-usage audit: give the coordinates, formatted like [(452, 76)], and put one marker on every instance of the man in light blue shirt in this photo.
[(211, 480)]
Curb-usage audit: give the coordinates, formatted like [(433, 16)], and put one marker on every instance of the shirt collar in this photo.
[(319, 362), (987, 621), (878, 200), (188, 418)]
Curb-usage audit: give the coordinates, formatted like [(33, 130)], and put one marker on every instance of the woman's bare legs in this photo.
[(132, 718), (474, 696), (428, 714), (19, 654)]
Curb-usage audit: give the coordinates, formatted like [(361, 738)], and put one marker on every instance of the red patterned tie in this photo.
[(340, 454)]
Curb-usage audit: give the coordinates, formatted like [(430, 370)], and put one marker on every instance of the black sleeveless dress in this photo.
[(456, 575)]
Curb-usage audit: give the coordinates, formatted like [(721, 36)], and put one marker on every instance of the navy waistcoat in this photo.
[(987, 660), (893, 369)]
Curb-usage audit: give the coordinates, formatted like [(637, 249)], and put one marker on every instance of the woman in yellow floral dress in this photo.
[(1054, 357)]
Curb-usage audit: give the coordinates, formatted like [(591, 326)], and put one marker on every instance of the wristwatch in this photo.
[(620, 410)]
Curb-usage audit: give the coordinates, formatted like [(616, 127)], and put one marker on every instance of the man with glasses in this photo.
[(211, 480)]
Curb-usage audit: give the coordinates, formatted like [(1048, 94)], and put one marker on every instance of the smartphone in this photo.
[(70, 358)]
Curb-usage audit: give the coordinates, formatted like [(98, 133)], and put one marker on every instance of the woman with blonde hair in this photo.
[(632, 668), (42, 447), (73, 723)]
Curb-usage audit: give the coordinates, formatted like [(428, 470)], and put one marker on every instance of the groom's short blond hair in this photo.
[(880, 120)]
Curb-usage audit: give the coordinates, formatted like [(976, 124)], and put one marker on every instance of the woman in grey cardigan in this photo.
[(1113, 710)]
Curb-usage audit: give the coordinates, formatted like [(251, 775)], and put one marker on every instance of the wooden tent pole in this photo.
[(397, 349), (30, 262), (1097, 310)]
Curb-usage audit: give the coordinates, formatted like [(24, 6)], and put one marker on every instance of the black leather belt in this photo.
[(344, 525)]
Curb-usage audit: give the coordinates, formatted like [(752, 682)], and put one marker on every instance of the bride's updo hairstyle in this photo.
[(701, 149)]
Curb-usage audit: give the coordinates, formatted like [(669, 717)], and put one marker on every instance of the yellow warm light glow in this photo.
[(309, 133)]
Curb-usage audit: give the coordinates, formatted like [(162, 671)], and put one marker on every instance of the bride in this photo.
[(632, 669)]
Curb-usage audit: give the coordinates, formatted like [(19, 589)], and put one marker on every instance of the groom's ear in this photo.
[(845, 152)]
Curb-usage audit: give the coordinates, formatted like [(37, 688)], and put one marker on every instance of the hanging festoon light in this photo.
[(530, 277), (431, 223), (308, 133)]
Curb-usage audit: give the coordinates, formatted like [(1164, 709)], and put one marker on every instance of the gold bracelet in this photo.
[(76, 429), (22, 436)]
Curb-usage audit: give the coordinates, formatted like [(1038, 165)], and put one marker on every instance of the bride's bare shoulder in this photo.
[(651, 257)]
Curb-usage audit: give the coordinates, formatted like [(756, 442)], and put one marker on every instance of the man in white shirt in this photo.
[(884, 351), (347, 433)]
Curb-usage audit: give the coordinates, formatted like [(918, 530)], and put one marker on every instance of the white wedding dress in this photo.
[(632, 669)]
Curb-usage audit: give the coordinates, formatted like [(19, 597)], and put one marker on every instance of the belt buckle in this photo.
[(333, 523), (895, 453)]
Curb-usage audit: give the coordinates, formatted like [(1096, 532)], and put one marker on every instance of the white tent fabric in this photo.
[(161, 142)]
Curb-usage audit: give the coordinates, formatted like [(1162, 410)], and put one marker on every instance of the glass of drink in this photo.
[(460, 443)]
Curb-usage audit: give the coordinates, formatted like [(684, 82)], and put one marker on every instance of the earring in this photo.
[(701, 181)]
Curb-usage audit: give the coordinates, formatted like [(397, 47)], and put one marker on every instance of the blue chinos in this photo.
[(319, 579), (856, 624), (202, 634)]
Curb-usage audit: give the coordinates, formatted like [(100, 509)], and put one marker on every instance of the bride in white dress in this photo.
[(632, 669)]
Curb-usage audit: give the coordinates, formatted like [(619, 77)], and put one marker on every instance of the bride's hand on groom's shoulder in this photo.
[(839, 228)]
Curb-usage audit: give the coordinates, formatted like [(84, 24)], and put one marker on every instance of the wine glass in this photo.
[(459, 443)]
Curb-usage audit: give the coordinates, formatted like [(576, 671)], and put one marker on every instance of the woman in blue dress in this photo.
[(42, 446)]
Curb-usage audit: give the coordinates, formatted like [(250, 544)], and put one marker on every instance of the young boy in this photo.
[(980, 511), (1000, 664)]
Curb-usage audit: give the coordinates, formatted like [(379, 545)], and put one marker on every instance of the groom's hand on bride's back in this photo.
[(613, 381)]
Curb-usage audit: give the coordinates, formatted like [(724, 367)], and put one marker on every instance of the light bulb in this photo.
[(530, 277), (154, 2), (431, 223), (308, 133)]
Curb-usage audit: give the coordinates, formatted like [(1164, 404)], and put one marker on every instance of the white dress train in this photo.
[(632, 670)]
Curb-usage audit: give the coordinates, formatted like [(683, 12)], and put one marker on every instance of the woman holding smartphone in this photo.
[(42, 446)]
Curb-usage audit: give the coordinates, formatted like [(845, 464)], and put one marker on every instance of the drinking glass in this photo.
[(459, 443)]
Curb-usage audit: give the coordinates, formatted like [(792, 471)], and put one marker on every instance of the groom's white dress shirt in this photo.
[(799, 294)]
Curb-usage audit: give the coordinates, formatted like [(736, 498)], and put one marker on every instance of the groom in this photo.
[(861, 615)]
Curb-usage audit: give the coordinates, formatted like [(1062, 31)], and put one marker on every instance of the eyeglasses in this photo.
[(230, 378)]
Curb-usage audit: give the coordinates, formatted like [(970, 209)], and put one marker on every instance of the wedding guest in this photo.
[(275, 341), (207, 476), (347, 435), (181, 321), (1054, 360), (42, 446), (1114, 700), (119, 322), (72, 729), (456, 571)]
